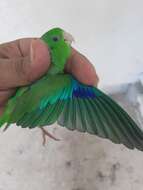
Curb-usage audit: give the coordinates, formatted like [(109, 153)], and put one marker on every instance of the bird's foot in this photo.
[(46, 133)]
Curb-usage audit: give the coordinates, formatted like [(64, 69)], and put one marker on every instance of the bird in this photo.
[(59, 97)]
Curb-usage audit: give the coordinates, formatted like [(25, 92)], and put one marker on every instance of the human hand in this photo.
[(25, 60)]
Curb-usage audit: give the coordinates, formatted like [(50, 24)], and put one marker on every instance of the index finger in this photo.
[(82, 69), (16, 48)]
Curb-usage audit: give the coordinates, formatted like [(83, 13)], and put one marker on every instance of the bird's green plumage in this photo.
[(59, 97), (59, 49)]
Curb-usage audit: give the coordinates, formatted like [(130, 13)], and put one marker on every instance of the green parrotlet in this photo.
[(58, 96)]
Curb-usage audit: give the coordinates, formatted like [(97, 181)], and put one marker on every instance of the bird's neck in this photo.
[(58, 62), (54, 69)]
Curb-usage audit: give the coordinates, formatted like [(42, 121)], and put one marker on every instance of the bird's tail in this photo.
[(3, 119), (7, 112)]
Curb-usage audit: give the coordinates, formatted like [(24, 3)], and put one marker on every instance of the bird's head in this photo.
[(57, 37), (59, 44)]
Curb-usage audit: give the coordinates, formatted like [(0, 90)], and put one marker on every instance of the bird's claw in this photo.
[(46, 133)]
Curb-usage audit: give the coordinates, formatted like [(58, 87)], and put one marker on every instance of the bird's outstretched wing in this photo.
[(76, 107), (90, 110)]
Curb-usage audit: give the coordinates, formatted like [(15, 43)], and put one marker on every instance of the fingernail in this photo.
[(32, 48), (38, 51), (35, 49)]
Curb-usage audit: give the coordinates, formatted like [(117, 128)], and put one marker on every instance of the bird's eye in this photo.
[(55, 38)]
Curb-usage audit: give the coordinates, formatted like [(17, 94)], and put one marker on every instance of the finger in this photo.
[(5, 94), (21, 71), (17, 48), (82, 69)]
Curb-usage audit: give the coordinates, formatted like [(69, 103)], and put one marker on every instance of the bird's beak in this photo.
[(68, 38)]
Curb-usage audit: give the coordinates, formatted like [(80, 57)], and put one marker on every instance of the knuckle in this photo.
[(22, 68)]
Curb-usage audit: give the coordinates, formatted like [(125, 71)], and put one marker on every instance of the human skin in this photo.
[(25, 60)]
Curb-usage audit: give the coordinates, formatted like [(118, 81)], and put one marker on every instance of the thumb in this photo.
[(22, 70)]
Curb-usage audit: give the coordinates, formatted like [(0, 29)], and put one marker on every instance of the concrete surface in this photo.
[(110, 34)]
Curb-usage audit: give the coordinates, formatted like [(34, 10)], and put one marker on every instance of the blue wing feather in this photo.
[(82, 91)]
